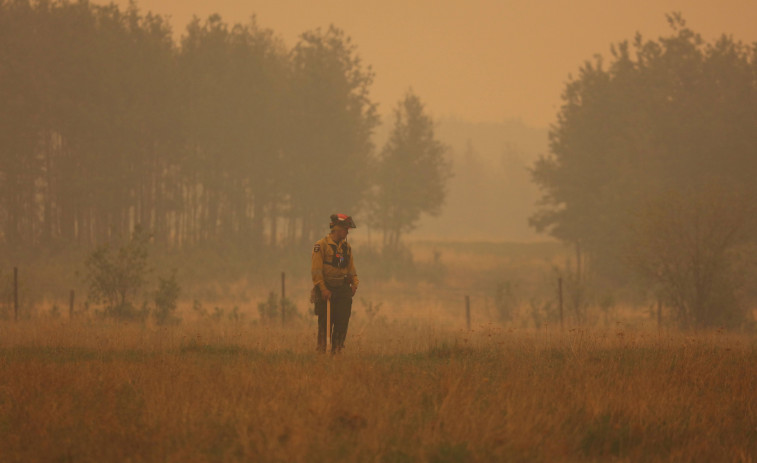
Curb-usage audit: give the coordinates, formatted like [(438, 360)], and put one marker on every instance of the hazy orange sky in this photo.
[(480, 60)]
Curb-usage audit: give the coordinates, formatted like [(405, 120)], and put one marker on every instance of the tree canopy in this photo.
[(106, 123), (411, 173), (673, 114)]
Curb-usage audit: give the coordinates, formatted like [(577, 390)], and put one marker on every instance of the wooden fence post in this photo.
[(659, 315), (15, 293), (71, 305), (559, 293), (467, 311), (283, 296)]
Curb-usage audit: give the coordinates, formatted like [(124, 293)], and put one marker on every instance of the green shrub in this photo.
[(165, 301), (270, 310), (117, 276)]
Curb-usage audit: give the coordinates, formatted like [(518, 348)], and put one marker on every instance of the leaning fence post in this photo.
[(467, 311), (15, 293)]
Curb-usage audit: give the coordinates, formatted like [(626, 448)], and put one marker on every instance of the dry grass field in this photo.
[(77, 391), (413, 385)]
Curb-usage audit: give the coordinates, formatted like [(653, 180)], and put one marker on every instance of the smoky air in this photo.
[(377, 230)]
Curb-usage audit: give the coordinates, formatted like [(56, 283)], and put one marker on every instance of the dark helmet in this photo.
[(343, 220)]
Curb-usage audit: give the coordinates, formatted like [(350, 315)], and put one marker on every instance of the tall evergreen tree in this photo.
[(411, 174)]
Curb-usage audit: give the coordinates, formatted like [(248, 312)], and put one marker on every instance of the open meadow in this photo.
[(230, 392), (414, 384)]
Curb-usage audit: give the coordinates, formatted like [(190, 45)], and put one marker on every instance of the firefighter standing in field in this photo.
[(334, 281)]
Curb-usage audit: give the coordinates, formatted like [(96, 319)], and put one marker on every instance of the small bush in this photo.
[(371, 309), (117, 276), (199, 309), (125, 312), (165, 301), (270, 310)]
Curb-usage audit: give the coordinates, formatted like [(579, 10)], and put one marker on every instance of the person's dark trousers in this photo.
[(341, 309)]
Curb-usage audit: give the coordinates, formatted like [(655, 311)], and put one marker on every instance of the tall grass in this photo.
[(412, 385), (78, 391)]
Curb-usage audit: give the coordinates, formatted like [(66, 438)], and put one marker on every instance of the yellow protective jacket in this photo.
[(332, 262)]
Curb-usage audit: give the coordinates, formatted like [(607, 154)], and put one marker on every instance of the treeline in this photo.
[(651, 174), (106, 123)]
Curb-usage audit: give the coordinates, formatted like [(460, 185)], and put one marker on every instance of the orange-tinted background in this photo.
[(479, 60)]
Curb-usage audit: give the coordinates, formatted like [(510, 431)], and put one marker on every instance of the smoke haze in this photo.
[(491, 73), (479, 60)]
